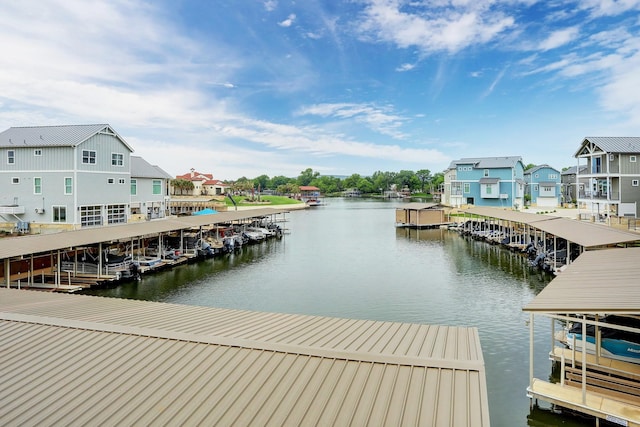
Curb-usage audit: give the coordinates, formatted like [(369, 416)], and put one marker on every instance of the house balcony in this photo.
[(599, 195), (12, 209)]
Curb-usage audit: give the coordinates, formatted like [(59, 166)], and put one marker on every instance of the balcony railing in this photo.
[(599, 195)]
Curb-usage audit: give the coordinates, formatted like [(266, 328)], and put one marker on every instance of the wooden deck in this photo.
[(612, 387), (597, 405)]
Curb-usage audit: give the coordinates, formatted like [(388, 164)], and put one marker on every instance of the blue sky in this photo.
[(246, 87)]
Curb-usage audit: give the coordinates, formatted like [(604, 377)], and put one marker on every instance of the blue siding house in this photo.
[(486, 181), (544, 186)]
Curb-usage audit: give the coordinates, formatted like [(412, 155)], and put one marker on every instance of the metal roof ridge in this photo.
[(469, 365)]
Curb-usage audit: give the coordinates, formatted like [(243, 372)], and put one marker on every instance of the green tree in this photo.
[(181, 185), (327, 184), (436, 182), (288, 189), (407, 179), (529, 166), (365, 186), (279, 180), (261, 182), (351, 181), (382, 180), (306, 176), (424, 175)]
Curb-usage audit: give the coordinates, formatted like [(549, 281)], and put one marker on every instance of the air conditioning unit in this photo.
[(39, 211)]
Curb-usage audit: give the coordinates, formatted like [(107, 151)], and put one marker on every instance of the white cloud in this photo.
[(289, 21), (405, 67), (440, 27), (559, 38), (376, 118), (270, 5), (599, 8)]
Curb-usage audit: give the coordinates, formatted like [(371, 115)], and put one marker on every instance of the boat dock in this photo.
[(74, 260), (421, 215), (552, 242), (604, 387)]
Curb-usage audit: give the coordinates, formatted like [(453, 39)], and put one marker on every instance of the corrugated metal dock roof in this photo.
[(584, 234), (73, 359), (26, 245), (604, 281)]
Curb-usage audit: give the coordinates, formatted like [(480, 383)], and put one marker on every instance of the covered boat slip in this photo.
[(420, 215), (586, 234), (598, 283), (27, 256), (127, 362), (562, 239)]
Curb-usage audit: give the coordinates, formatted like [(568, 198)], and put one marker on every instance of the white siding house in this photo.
[(64, 177), (149, 189)]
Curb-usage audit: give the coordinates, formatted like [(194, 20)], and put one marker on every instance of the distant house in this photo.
[(570, 185), (485, 181), (204, 184), (64, 177), (149, 189), (543, 185), (612, 175)]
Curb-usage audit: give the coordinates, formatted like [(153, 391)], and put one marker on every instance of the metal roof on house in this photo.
[(583, 233), (53, 136), (418, 206), (612, 144), (77, 360), (488, 162), (537, 168), (573, 170), (140, 168), (39, 243), (596, 282)]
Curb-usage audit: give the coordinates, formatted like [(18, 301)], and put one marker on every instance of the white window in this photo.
[(59, 214), (37, 152), (467, 187), (11, 157), (117, 159), (37, 185), (68, 185), (634, 183), (90, 215), (121, 181), (111, 181), (15, 180), (537, 176), (632, 159), (89, 157), (488, 189), (486, 173), (134, 187), (116, 214), (553, 176)]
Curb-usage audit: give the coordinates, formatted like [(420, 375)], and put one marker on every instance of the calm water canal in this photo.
[(347, 259)]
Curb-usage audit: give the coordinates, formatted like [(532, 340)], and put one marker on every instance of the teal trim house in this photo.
[(485, 181), (544, 186)]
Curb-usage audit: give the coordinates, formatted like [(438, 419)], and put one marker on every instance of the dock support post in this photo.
[(584, 359), (530, 349)]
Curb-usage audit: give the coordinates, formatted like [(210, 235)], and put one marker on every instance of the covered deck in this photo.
[(420, 215), (49, 261), (597, 284)]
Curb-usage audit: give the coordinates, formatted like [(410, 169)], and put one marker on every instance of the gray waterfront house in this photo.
[(149, 190), (69, 177), (612, 176)]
